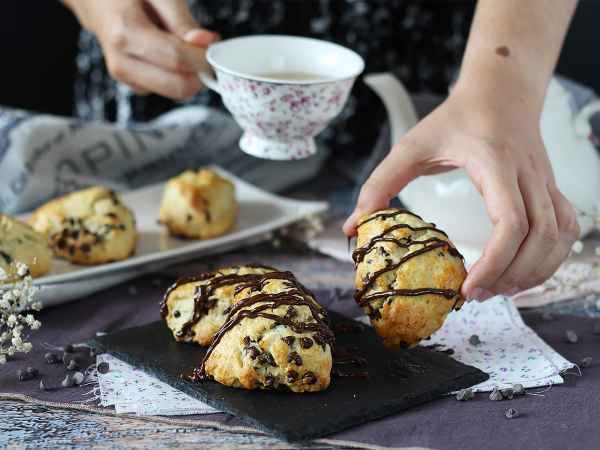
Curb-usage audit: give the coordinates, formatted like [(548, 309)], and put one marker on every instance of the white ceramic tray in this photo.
[(260, 213)]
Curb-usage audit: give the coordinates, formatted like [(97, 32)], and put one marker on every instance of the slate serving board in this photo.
[(397, 380)]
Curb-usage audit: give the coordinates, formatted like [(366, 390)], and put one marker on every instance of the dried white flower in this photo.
[(14, 299)]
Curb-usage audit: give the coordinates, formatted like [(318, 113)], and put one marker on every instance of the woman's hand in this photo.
[(150, 45), (496, 139)]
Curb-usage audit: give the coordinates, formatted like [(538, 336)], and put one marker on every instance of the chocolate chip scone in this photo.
[(408, 275), (198, 205), (194, 308), (275, 337), (19, 243), (91, 226)]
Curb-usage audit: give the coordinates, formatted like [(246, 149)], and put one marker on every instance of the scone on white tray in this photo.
[(19, 243), (408, 275), (91, 226), (198, 205)]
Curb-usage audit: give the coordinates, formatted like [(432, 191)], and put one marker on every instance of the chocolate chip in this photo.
[(254, 352), (74, 234), (85, 248), (507, 393), (474, 340), (586, 362), (176, 314), (51, 358), (289, 340), (78, 378), (246, 340), (189, 218), (309, 378), (496, 395), (269, 380), (571, 337), (291, 313), (295, 358), (511, 413), (518, 389), (69, 348), (465, 394), (67, 381), (103, 367), (306, 342), (292, 376), (267, 359), (23, 375), (61, 244), (374, 314), (72, 250)]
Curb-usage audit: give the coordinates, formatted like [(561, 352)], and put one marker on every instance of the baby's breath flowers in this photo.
[(15, 300)]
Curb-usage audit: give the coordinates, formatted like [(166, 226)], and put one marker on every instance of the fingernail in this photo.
[(480, 294), (199, 36)]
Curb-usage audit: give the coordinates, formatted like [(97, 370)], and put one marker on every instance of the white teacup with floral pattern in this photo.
[(282, 90)]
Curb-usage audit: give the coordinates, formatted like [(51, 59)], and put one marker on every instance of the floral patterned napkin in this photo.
[(509, 351)]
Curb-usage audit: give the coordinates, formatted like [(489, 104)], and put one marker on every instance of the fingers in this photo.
[(498, 185), (393, 173), (143, 75), (177, 18)]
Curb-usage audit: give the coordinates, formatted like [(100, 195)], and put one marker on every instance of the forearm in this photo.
[(513, 47)]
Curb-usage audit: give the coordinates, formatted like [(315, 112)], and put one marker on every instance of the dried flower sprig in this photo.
[(15, 300)]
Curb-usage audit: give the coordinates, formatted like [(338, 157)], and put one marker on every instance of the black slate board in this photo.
[(349, 401)]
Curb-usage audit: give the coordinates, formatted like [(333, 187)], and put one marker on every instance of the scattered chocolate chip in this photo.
[(586, 362), (69, 348), (103, 367), (67, 381), (246, 340), (291, 313), (269, 380), (465, 394), (176, 314), (309, 378), (518, 389), (189, 217), (73, 364), (511, 413), (253, 351), (295, 358), (85, 248), (496, 395), (306, 342), (548, 316), (571, 337), (474, 340), (23, 375), (507, 394), (292, 376), (51, 358), (72, 250), (78, 378), (61, 244), (43, 386), (374, 314), (289, 340)]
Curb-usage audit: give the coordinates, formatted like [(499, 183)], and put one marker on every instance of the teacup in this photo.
[(282, 90)]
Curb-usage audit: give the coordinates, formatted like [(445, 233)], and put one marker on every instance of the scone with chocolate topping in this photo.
[(275, 337), (408, 275), (194, 308), (91, 226), (198, 205), (19, 243)]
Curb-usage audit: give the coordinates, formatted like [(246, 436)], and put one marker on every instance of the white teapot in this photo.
[(450, 199)]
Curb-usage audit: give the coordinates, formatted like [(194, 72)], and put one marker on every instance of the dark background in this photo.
[(38, 44)]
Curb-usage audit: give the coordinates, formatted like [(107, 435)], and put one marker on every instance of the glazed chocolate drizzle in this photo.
[(297, 296), (387, 215), (359, 254)]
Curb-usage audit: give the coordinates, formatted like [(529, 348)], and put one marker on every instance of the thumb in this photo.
[(177, 18), (399, 168)]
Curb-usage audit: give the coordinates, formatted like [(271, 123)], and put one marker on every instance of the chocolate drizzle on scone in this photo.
[(264, 305), (401, 256)]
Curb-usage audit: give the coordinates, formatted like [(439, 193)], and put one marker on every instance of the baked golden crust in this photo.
[(198, 205), (91, 226), (21, 243), (193, 315), (408, 276), (274, 338)]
